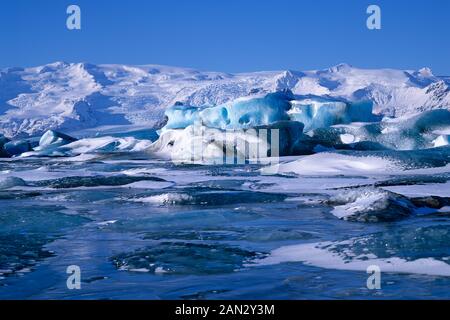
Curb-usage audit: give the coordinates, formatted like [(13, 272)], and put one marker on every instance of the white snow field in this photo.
[(78, 96)]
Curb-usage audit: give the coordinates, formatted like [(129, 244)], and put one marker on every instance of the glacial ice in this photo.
[(202, 144), (320, 112), (370, 205), (181, 116), (247, 113), (304, 125), (420, 131), (327, 163), (279, 110), (53, 139), (386, 250), (14, 148), (11, 182), (90, 145), (3, 141), (242, 113), (442, 140)]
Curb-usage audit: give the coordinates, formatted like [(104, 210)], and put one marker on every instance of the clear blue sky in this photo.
[(228, 35)]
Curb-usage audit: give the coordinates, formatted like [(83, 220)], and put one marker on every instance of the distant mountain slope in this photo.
[(79, 96)]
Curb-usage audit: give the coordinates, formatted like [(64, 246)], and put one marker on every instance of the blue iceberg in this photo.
[(242, 113), (282, 110), (321, 112), (180, 116), (53, 139), (3, 142), (15, 148), (422, 131), (247, 113)]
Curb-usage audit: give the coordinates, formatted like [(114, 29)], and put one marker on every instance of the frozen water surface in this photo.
[(141, 227)]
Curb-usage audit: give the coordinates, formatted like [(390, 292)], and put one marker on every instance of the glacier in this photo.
[(70, 97)]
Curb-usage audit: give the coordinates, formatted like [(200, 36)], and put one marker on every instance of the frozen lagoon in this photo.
[(141, 227)]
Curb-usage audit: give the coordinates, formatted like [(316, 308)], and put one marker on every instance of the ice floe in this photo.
[(341, 256)]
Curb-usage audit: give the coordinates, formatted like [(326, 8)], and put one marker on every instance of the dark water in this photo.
[(178, 236)]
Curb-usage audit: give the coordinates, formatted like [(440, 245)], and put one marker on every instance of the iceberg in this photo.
[(280, 111), (370, 205), (201, 144), (49, 145), (442, 140), (53, 139), (247, 113), (105, 144), (15, 148), (242, 113), (180, 116), (91, 145), (3, 142), (11, 182), (422, 131), (327, 163), (322, 112)]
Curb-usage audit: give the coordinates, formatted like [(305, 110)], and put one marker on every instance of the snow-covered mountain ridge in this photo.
[(76, 96)]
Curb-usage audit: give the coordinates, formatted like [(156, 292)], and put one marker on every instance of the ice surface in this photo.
[(53, 139), (333, 163), (181, 116), (419, 131), (77, 96), (17, 147), (242, 113), (422, 190), (10, 182), (322, 255), (248, 113), (210, 145), (321, 112), (276, 110), (370, 205), (89, 145)]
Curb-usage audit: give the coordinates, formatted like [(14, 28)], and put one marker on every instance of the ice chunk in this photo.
[(348, 138), (3, 141), (14, 148), (386, 250), (422, 131), (328, 124), (181, 116), (370, 205), (92, 145), (442, 140), (10, 182), (242, 113), (201, 143), (320, 112), (247, 113), (334, 163), (53, 139), (106, 144), (261, 112)]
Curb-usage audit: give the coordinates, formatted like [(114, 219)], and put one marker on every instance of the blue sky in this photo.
[(228, 35)]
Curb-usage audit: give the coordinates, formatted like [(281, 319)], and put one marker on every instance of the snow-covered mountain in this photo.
[(76, 96)]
